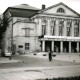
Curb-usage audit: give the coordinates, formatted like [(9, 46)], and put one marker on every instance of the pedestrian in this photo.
[(50, 55)]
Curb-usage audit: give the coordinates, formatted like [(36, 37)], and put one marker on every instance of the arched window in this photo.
[(61, 10)]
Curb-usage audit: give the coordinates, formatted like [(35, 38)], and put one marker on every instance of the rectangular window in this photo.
[(68, 31), (52, 30), (76, 32), (27, 46), (20, 46), (27, 32), (60, 30), (43, 29)]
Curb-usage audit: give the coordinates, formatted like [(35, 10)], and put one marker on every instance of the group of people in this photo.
[(50, 55)]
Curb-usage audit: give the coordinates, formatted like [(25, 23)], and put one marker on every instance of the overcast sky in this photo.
[(4, 4)]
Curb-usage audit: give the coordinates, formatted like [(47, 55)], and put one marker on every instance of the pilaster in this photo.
[(57, 28), (40, 27), (48, 26), (72, 30), (64, 30)]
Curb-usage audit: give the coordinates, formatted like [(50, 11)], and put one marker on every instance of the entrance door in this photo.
[(65, 46), (73, 47), (57, 46), (47, 46)]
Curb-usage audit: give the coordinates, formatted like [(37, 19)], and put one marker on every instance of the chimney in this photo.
[(43, 6)]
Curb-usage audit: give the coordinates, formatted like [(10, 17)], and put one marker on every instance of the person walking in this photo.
[(50, 55)]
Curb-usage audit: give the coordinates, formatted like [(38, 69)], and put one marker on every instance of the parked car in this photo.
[(7, 54)]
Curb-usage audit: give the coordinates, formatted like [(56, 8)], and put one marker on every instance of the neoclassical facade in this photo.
[(56, 28)]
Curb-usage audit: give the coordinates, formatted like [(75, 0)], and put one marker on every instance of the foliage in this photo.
[(66, 78)]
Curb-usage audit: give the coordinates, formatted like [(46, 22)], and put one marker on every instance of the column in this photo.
[(48, 26), (72, 33), (64, 30), (43, 45), (77, 46), (61, 46), (57, 29), (70, 47), (53, 46)]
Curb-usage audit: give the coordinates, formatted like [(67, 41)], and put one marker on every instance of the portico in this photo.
[(60, 45)]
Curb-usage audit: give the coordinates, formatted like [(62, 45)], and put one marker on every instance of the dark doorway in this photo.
[(73, 47), (47, 45), (79, 46), (65, 46), (56, 46)]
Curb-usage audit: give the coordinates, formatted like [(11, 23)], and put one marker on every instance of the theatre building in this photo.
[(56, 28)]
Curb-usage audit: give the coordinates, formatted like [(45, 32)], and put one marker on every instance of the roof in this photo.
[(23, 10), (25, 6), (57, 5), (22, 13)]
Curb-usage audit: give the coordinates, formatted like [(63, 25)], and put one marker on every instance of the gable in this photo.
[(68, 11)]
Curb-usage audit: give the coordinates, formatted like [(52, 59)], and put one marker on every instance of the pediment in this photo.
[(54, 10)]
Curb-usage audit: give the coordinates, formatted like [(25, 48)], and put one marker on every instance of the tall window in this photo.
[(76, 31), (27, 32), (61, 10), (60, 30), (27, 46), (43, 29), (52, 30), (52, 27), (68, 28), (68, 31), (61, 25)]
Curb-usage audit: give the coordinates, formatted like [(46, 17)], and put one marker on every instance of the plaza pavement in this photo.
[(71, 57), (31, 73), (7, 60)]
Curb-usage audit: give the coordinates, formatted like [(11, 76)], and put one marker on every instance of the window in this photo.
[(52, 30), (68, 31), (76, 32), (60, 30), (52, 27), (61, 25), (27, 32), (43, 29), (69, 25), (27, 46), (61, 10), (76, 29), (20, 46)]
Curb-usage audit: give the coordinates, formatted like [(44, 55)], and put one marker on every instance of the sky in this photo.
[(4, 4)]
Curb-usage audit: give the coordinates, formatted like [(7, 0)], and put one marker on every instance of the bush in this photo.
[(34, 54), (20, 52), (66, 78), (44, 54), (54, 55)]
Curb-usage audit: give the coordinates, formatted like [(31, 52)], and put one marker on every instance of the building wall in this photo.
[(15, 33), (20, 38), (49, 22)]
